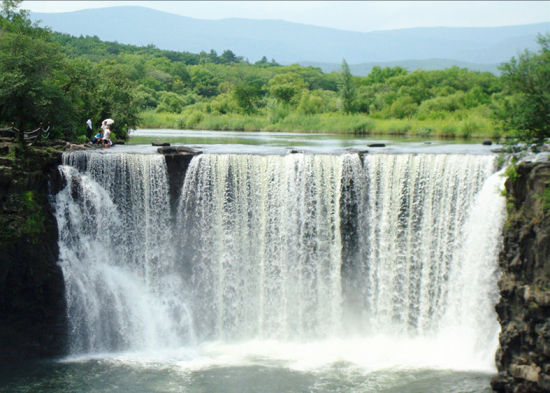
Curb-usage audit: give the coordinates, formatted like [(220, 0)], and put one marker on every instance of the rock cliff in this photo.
[(32, 301), (523, 359)]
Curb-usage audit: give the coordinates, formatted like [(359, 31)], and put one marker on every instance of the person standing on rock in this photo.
[(107, 137), (89, 128)]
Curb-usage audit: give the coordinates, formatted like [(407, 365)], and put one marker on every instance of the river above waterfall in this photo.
[(282, 142), (277, 272)]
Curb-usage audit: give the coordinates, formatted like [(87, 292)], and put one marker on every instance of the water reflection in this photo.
[(282, 142)]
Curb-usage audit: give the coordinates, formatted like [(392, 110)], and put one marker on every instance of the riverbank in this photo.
[(460, 127)]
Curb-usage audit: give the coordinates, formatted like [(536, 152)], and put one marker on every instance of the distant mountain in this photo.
[(410, 65), (289, 42)]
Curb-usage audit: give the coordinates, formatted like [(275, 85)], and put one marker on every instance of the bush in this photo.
[(469, 127), (277, 112), (364, 126), (448, 131), (398, 128), (511, 173), (424, 132)]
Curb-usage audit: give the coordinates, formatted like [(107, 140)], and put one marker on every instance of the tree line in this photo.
[(60, 79)]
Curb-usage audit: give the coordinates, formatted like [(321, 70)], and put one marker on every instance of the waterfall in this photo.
[(292, 248), (122, 284), (263, 233)]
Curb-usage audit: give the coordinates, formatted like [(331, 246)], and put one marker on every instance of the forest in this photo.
[(61, 80)]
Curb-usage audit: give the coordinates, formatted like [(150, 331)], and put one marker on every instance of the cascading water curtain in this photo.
[(311, 246), (293, 248), (123, 288), (263, 240)]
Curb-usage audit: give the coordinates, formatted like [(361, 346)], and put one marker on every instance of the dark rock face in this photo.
[(32, 298), (523, 359), (177, 161)]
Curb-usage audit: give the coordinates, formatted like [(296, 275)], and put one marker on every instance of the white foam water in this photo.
[(309, 260)]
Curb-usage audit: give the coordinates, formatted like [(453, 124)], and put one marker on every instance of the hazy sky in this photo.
[(347, 15)]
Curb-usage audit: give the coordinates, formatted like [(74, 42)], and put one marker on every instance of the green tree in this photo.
[(404, 107), (527, 78), (31, 74), (205, 82), (284, 87), (347, 89), (247, 97), (116, 99)]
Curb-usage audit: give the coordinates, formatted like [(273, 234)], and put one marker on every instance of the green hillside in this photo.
[(62, 80)]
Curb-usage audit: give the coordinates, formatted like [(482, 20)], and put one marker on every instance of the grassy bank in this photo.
[(464, 126)]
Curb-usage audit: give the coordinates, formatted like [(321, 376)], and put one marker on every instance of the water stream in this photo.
[(279, 273)]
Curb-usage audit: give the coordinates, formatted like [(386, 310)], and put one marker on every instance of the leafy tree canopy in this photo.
[(527, 80)]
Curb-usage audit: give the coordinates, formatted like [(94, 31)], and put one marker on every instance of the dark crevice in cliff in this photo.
[(177, 160)]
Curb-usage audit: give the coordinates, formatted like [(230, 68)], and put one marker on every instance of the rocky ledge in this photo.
[(523, 359), (32, 301)]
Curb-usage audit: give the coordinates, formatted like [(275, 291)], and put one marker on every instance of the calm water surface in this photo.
[(114, 375), (282, 142)]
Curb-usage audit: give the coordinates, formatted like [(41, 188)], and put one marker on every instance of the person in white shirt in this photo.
[(89, 128), (107, 137)]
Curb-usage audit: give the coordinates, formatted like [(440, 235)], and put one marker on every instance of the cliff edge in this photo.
[(523, 358), (32, 298)]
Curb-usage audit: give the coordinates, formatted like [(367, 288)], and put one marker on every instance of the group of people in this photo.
[(103, 136)]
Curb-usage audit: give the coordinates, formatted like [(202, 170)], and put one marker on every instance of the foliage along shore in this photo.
[(57, 79), (357, 124)]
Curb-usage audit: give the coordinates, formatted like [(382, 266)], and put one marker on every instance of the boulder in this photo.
[(157, 143), (178, 150)]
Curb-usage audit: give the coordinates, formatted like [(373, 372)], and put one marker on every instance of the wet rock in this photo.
[(32, 300), (528, 373), (157, 143), (487, 142), (544, 382), (358, 151), (524, 306), (377, 145), (177, 160), (177, 150)]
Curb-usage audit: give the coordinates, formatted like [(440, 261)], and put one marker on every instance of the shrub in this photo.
[(448, 131), (193, 118), (469, 127), (511, 172), (424, 131), (363, 126)]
